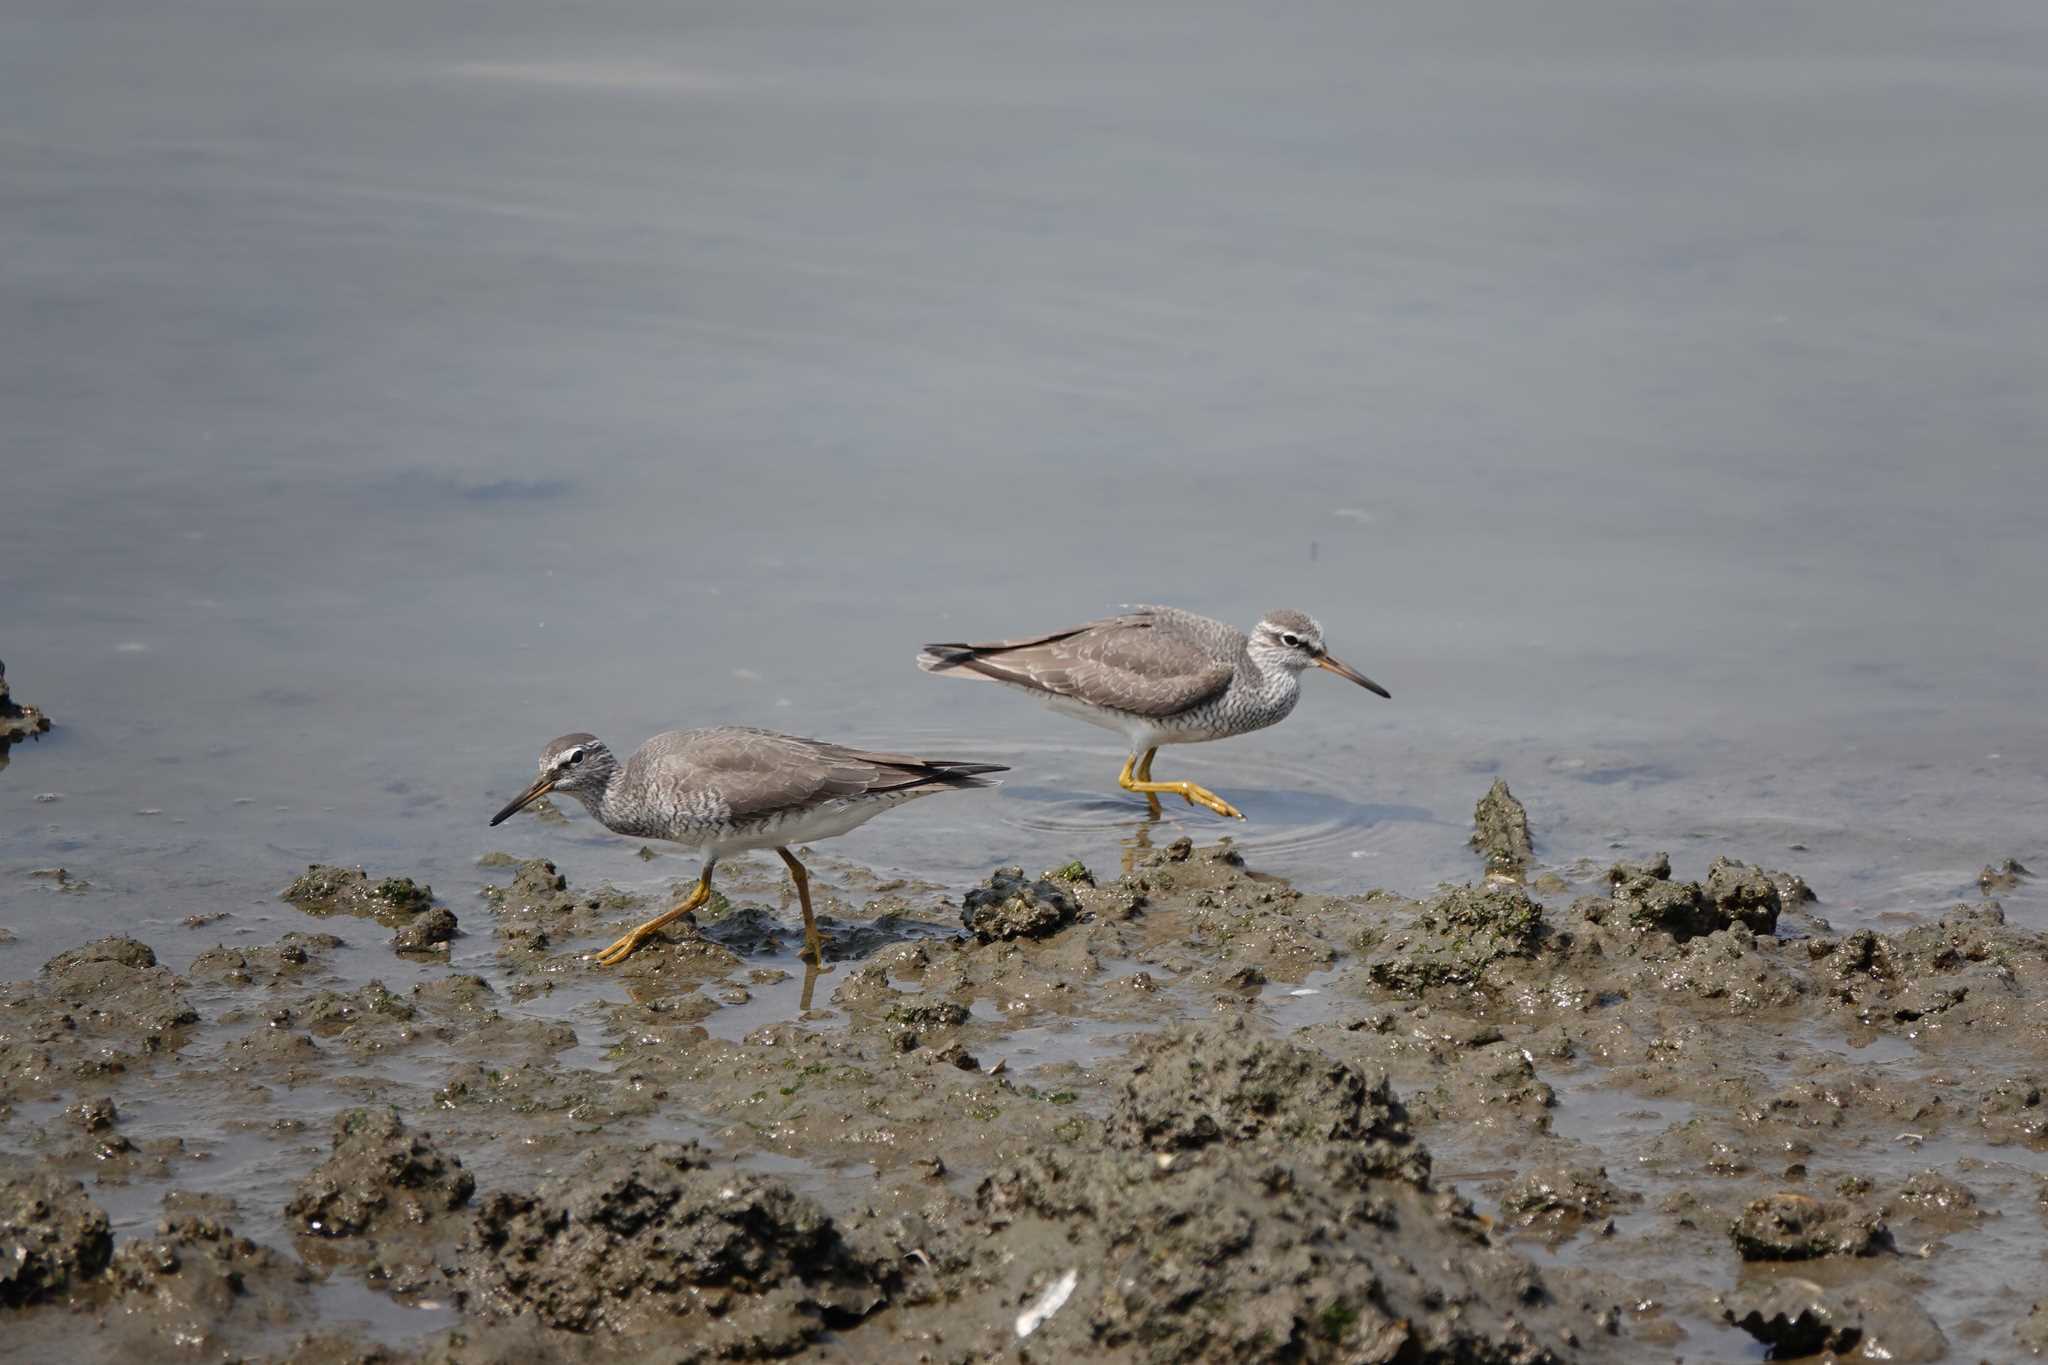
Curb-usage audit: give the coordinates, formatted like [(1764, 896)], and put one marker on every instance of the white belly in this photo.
[(804, 826), (1143, 732)]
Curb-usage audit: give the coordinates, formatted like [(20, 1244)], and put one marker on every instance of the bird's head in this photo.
[(578, 764), (1293, 640)]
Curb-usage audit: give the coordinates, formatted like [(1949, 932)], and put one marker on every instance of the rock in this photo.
[(1735, 895), (391, 901), (379, 1173), (117, 950), (1744, 895), (117, 983), (52, 1239), (198, 1269), (1798, 1227), (425, 931), (653, 1239), (273, 962), (96, 1115), (2005, 876), (1239, 1214), (17, 721), (1797, 1318), (1210, 1083), (1933, 1197), (538, 909), (1456, 937), (1562, 1197), (1501, 832), (914, 1026), (1792, 889), (1011, 906)]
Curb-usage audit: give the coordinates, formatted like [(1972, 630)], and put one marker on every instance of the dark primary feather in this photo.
[(1141, 662)]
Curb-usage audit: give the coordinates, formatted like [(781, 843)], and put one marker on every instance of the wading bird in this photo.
[(727, 789), (1159, 675)]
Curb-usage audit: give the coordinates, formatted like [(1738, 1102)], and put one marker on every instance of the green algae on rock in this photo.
[(398, 903), (326, 890)]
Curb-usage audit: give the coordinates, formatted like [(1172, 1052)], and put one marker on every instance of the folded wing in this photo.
[(748, 772), (1126, 663)]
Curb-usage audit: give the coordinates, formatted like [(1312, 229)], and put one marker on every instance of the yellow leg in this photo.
[(1144, 774), (626, 946), (814, 948), (1196, 795)]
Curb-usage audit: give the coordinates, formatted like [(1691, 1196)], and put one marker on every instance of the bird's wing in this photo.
[(1136, 662), (757, 772)]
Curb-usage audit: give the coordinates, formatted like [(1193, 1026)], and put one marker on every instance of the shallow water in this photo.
[(1648, 399)]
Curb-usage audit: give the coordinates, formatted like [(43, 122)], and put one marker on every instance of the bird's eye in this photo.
[(1291, 641), (575, 756)]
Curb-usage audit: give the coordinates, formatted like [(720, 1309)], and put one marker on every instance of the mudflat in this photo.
[(1178, 1110)]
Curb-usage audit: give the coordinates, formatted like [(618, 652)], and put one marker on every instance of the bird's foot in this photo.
[(630, 942), (622, 948), (1141, 781), (1202, 796)]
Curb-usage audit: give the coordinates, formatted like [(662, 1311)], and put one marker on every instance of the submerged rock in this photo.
[(1501, 832), (52, 1239), (1010, 906), (637, 1241)]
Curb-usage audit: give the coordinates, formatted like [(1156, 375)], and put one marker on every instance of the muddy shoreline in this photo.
[(1173, 1111)]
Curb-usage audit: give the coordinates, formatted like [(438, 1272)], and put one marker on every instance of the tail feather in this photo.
[(938, 658), (962, 776), (953, 769), (904, 774)]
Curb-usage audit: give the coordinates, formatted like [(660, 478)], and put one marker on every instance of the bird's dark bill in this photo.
[(1344, 670), (523, 800)]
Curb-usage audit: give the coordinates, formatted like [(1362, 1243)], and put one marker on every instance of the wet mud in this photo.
[(1654, 1109)]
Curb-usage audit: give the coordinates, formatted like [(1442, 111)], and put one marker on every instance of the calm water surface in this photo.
[(1651, 398)]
